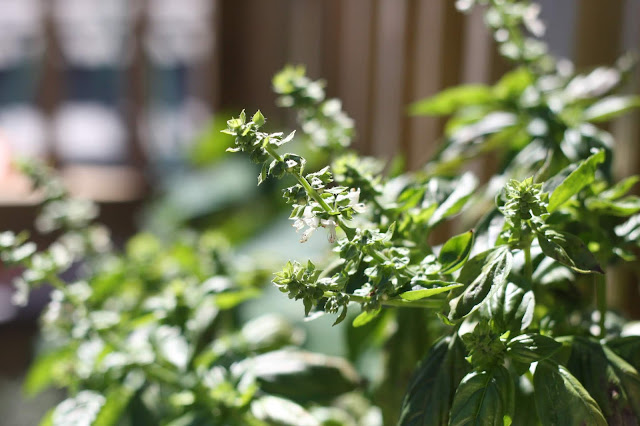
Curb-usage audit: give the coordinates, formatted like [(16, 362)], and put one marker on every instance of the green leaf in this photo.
[(46, 368), (569, 250), (282, 412), (622, 207), (528, 348), (450, 100), (365, 317), (629, 380), (578, 179), (611, 381), (117, 400), (82, 409), (455, 201), (428, 292), (620, 188), (302, 376), (484, 398), (455, 252), (258, 119), (610, 107), (562, 400), (513, 83), (494, 273), (430, 393), (511, 306), (627, 347)]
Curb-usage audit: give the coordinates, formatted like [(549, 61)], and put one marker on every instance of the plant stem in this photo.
[(350, 232), (601, 301), (424, 303), (528, 264)]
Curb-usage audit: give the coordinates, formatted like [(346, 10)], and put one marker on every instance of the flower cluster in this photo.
[(525, 207), (322, 120)]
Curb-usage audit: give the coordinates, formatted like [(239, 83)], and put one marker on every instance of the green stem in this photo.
[(349, 231), (601, 301), (424, 303), (528, 264)]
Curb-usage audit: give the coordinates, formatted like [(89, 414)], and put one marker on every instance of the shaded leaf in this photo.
[(511, 306), (430, 394), (562, 400), (528, 348), (483, 398), (301, 376), (494, 273), (455, 252), (569, 250)]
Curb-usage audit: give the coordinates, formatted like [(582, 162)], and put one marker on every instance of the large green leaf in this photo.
[(493, 274), (627, 347), (484, 398), (430, 394), (561, 400), (455, 252), (47, 368), (302, 376), (621, 207), (528, 348), (578, 179), (611, 381), (611, 107), (450, 100), (81, 409), (569, 250), (511, 305), (281, 412), (455, 200)]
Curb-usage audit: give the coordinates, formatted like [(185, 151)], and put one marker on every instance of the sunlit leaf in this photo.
[(582, 176)]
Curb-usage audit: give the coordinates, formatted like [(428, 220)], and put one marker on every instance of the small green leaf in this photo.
[(627, 347), (578, 179), (450, 100), (258, 119), (428, 292), (494, 273), (483, 398), (569, 250), (455, 252), (610, 107), (365, 317), (528, 348), (562, 400)]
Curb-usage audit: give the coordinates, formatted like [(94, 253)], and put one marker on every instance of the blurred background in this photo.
[(125, 96)]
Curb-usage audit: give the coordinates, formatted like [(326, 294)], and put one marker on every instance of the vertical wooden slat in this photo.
[(598, 32), (434, 62), (253, 48), (388, 100), (306, 40), (331, 45), (356, 64)]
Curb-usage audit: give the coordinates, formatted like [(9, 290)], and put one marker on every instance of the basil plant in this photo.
[(509, 314)]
